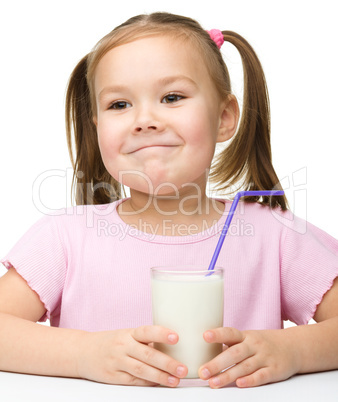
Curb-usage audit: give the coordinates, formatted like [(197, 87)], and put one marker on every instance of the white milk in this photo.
[(189, 306)]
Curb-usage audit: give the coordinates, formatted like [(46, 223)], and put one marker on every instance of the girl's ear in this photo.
[(229, 117), (95, 121)]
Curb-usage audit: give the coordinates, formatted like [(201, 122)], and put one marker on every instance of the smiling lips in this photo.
[(153, 146)]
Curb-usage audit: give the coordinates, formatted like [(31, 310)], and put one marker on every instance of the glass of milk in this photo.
[(189, 301)]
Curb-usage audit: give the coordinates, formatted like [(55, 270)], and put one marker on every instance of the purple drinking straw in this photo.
[(229, 218)]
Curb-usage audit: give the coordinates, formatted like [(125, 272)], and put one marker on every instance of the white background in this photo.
[(42, 41)]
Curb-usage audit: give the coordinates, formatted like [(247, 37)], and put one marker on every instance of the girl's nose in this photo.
[(144, 128), (147, 122)]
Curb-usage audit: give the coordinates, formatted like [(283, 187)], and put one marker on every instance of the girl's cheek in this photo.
[(105, 135), (106, 149)]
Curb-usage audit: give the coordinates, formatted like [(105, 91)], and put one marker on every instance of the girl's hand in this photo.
[(257, 357), (127, 357)]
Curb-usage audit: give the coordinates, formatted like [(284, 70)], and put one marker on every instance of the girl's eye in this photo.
[(119, 105), (172, 98)]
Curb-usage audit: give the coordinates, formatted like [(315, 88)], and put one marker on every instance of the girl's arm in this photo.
[(261, 357), (28, 347), (319, 348), (115, 357)]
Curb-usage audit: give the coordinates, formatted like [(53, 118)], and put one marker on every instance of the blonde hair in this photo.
[(246, 160)]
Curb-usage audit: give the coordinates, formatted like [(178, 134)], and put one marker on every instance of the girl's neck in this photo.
[(184, 212)]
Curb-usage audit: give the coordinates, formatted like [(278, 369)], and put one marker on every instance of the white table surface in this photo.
[(29, 388)]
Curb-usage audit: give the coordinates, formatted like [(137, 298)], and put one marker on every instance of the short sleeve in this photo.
[(40, 259), (309, 265)]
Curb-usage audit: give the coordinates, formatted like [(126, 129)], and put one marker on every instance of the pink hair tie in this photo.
[(217, 36)]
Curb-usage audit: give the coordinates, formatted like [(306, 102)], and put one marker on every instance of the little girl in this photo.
[(145, 109)]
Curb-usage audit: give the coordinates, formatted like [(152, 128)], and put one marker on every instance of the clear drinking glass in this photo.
[(189, 301)]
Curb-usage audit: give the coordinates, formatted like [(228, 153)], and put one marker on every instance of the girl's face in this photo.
[(158, 115)]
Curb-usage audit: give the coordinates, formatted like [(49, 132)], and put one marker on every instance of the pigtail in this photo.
[(92, 184), (247, 159)]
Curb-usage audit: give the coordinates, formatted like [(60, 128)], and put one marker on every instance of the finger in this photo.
[(125, 378), (155, 333), (264, 375), (231, 356), (259, 377), (227, 335), (143, 371), (243, 369), (155, 358)]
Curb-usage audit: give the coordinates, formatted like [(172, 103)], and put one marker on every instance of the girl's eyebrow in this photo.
[(161, 82), (175, 78)]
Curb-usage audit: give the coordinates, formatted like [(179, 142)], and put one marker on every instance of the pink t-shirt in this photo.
[(92, 271)]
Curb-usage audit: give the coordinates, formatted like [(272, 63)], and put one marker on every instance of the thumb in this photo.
[(227, 335)]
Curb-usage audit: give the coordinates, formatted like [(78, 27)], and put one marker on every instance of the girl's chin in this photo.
[(147, 185), (162, 184)]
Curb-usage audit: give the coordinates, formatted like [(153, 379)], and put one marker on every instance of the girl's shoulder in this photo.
[(80, 220), (265, 216), (271, 223), (80, 213), (291, 228)]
